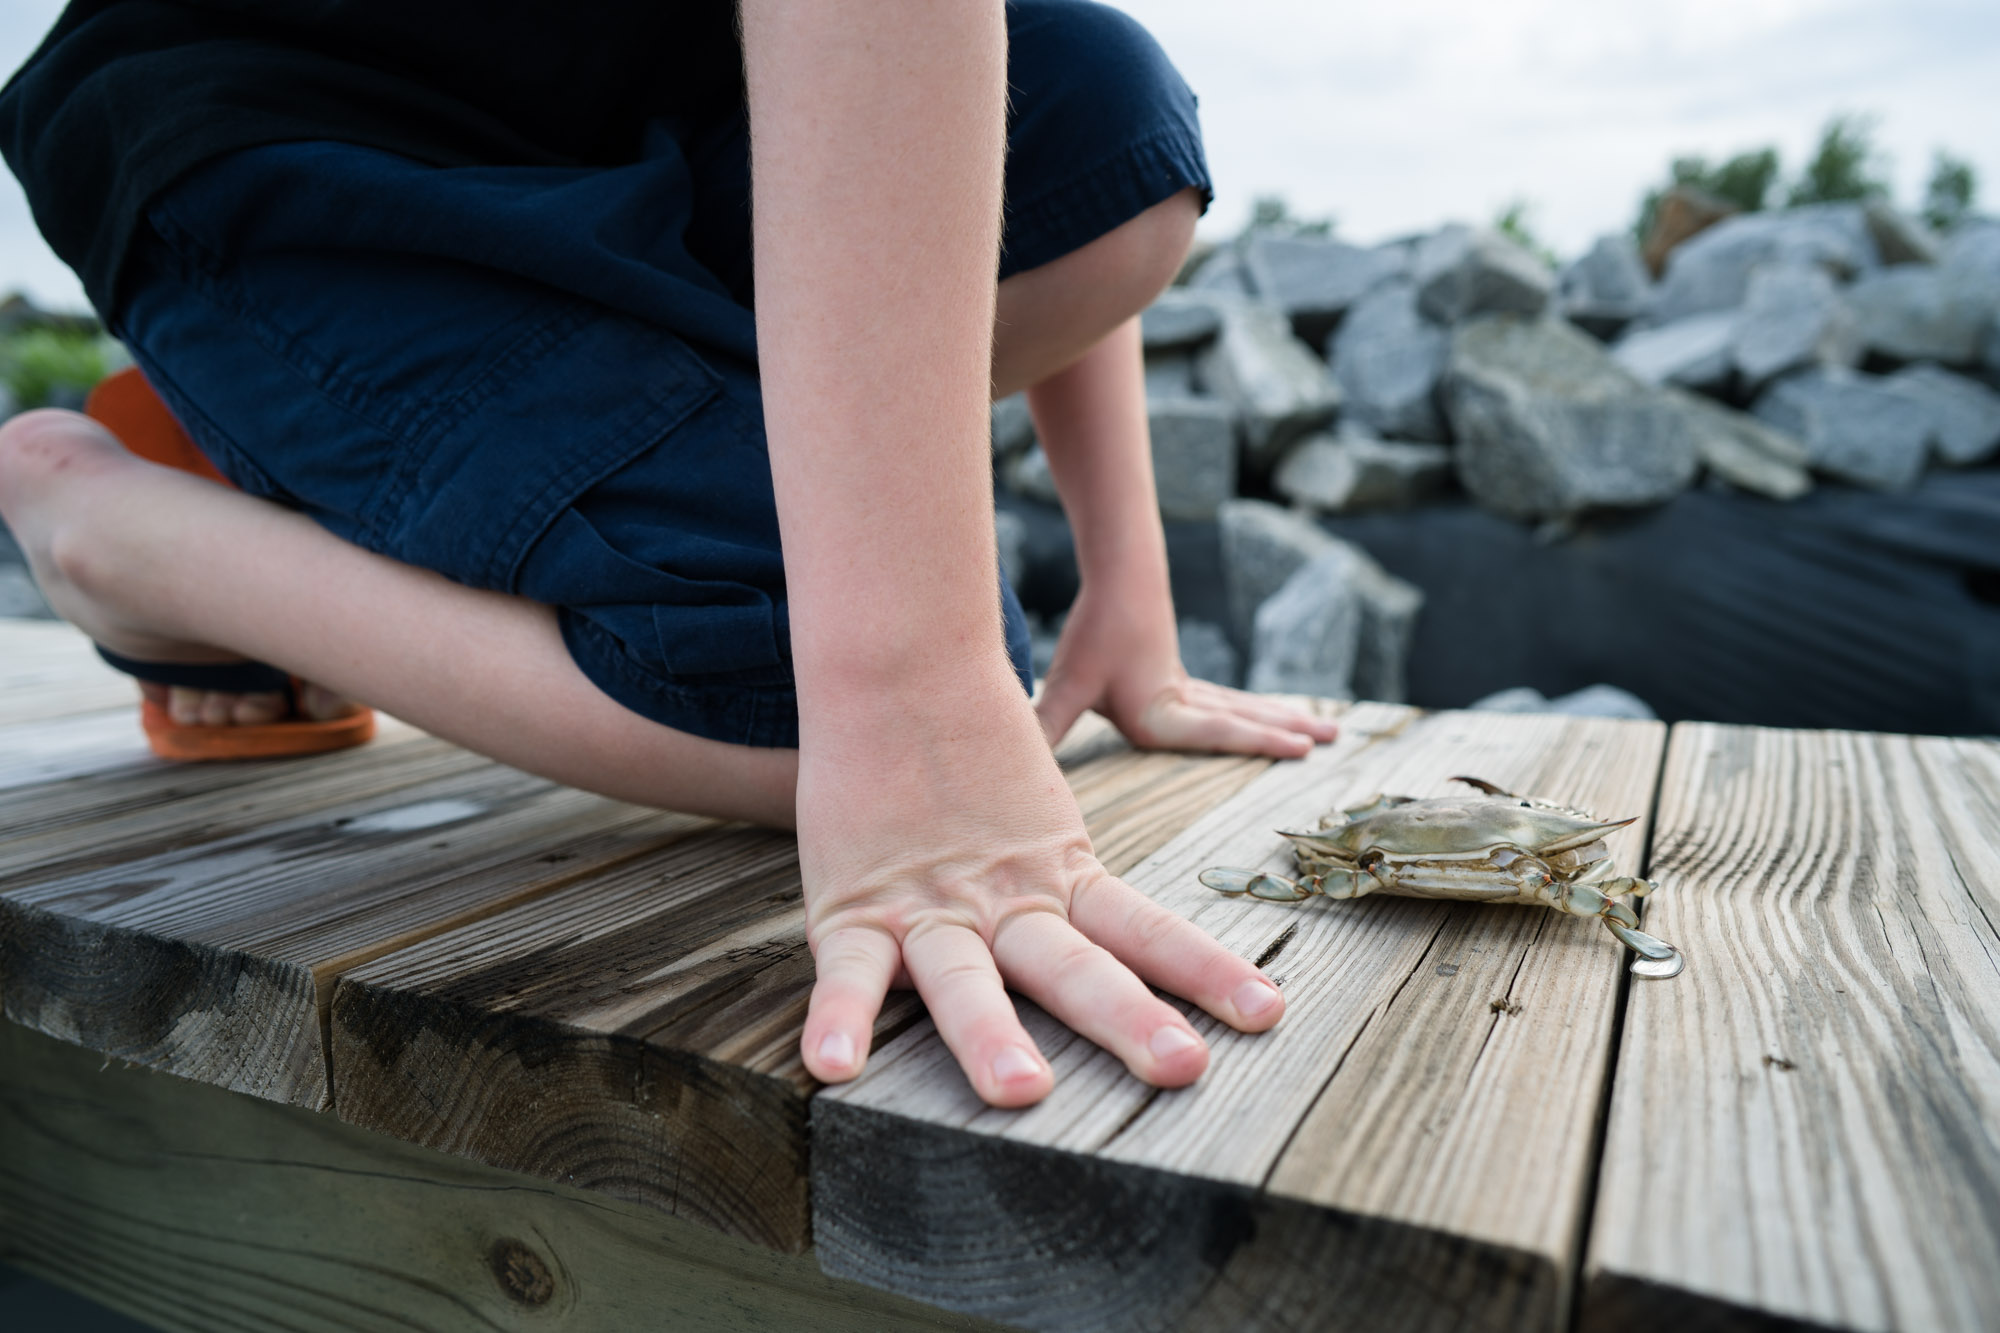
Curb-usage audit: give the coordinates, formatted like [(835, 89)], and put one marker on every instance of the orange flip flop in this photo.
[(127, 406)]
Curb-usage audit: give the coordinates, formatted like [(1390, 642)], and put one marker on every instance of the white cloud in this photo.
[(1393, 118)]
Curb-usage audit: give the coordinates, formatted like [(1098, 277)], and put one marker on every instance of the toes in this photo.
[(215, 708), (250, 710), (321, 704)]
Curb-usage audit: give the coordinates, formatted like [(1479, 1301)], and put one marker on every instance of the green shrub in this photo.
[(43, 365), (1949, 195), (1846, 165)]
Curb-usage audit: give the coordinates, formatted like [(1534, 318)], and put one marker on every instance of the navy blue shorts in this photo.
[(544, 380)]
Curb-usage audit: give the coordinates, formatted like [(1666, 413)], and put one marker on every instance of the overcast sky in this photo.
[(1397, 117)]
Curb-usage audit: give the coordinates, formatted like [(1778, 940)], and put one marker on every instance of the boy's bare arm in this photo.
[(938, 840), (1120, 650)]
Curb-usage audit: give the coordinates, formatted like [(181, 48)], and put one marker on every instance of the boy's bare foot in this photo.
[(50, 464), (216, 708)]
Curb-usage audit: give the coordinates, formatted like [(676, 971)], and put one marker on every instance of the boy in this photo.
[(461, 296)]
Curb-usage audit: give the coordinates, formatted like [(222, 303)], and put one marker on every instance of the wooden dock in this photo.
[(460, 1048)]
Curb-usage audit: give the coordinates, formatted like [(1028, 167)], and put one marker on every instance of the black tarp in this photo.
[(1845, 608)]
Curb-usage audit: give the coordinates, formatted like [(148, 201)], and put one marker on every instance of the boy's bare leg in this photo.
[(1047, 318), (155, 564)]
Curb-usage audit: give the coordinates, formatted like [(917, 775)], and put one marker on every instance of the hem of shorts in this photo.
[(762, 716), (1108, 194)]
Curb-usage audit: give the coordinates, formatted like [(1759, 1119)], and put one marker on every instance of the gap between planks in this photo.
[(1329, 1174)]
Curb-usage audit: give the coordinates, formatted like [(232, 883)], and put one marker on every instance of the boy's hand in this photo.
[(1119, 654), (941, 848)]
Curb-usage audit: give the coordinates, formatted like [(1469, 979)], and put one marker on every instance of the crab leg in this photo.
[(1656, 958), (1337, 883), (1257, 883)]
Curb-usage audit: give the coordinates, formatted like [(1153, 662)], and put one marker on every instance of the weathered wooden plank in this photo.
[(638, 1032), (212, 955), (196, 1209), (49, 670), (79, 745), (104, 818), (1401, 1152), (1805, 1127)]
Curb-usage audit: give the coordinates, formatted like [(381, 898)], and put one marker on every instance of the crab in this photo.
[(1495, 847)]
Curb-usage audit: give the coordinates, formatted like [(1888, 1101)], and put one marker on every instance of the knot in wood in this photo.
[(521, 1273)]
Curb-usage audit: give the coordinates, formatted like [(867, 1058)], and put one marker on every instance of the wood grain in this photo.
[(1315, 1170), (201, 935), (1805, 1127), (637, 1032), (48, 670), (196, 1209)]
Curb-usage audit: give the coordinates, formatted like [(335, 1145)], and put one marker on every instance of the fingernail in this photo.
[(1254, 999), (1014, 1064), (1171, 1040), (836, 1049)]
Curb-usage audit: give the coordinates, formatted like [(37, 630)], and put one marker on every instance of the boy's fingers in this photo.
[(1052, 963), (1258, 708), (1203, 727), (853, 968), (955, 973), (1175, 954)]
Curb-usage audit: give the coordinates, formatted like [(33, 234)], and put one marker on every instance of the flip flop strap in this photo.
[(232, 677)]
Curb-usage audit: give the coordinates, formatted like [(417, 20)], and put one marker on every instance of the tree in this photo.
[(1845, 166), (1949, 195)]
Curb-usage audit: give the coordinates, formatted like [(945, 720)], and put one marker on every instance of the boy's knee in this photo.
[(40, 445), (1153, 246)]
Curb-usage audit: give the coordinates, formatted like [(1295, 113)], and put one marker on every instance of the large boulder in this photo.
[(1387, 359), (1010, 532), (1965, 414), (1353, 472), (1222, 272), (1170, 374), (1607, 288), (1590, 701), (1262, 545), (1194, 455), (1339, 626), (1916, 313), (1314, 279), (1712, 270), (1178, 319), (1028, 475), (1279, 389), (1207, 654), (1460, 273), (1900, 238), (1013, 428), (1698, 351), (1792, 316), (1548, 424), (1682, 212), (1744, 452), (1853, 426)]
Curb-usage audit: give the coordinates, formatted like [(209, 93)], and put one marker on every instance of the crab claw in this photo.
[(1487, 787), (1257, 883), (1657, 959)]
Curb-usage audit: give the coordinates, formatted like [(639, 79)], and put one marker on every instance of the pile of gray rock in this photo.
[(1295, 375)]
